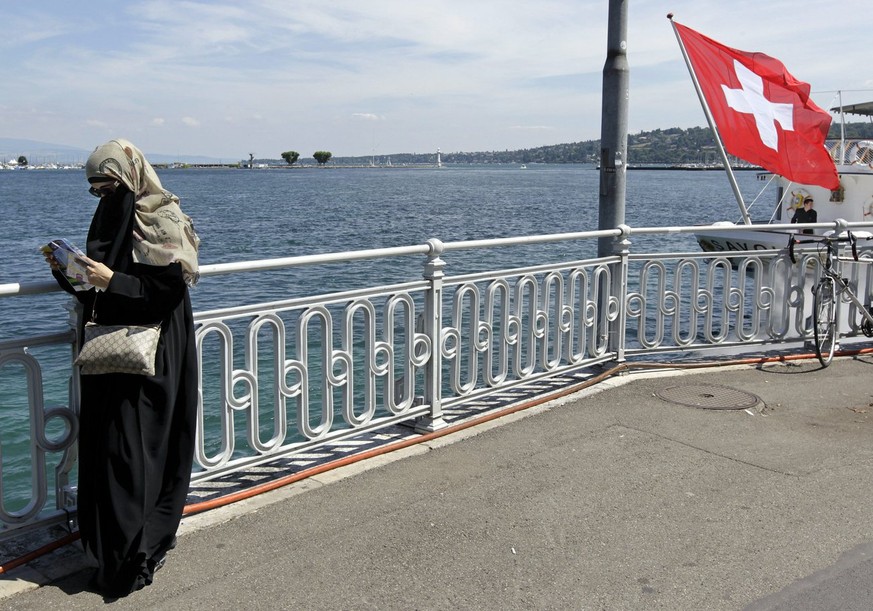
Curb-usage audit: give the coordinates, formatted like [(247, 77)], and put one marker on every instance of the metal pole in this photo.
[(613, 127), (433, 324), (843, 158), (613, 163)]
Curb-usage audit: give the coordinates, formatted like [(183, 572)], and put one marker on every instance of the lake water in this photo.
[(259, 214), (246, 215)]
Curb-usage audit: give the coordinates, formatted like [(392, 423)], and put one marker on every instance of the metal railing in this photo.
[(851, 152), (285, 378)]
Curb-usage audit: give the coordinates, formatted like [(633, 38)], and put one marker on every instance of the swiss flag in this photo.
[(763, 114)]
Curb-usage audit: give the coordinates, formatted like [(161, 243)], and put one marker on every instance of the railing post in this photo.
[(618, 329), (433, 324), (66, 494)]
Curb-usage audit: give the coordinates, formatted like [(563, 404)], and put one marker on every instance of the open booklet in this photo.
[(70, 258)]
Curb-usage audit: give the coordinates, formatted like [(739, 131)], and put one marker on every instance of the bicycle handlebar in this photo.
[(850, 237)]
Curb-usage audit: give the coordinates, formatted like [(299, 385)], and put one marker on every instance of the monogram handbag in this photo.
[(119, 349)]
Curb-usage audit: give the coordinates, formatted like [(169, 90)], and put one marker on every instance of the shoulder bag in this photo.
[(118, 348)]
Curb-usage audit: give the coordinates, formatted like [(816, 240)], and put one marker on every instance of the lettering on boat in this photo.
[(722, 245)]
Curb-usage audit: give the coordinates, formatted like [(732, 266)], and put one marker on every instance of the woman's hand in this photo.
[(98, 274), (51, 260)]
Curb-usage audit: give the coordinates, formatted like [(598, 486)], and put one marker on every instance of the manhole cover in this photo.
[(709, 397)]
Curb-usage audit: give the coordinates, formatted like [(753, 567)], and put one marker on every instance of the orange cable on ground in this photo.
[(391, 447), (45, 549)]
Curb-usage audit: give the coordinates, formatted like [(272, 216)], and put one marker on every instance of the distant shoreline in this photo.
[(694, 168), (422, 166), (411, 166)]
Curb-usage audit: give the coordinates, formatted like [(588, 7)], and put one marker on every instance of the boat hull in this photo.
[(852, 202), (738, 241)]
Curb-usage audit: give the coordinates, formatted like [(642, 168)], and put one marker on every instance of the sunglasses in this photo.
[(103, 189)]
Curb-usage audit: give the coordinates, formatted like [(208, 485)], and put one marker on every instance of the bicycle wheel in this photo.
[(866, 325), (824, 323)]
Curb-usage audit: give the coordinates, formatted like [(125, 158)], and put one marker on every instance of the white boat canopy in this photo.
[(864, 108)]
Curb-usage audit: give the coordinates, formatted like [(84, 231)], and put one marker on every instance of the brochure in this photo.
[(70, 258)]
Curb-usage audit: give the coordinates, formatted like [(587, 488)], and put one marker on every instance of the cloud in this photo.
[(533, 127), (367, 116), (485, 75)]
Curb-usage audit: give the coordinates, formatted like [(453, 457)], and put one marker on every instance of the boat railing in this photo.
[(857, 152), (298, 376)]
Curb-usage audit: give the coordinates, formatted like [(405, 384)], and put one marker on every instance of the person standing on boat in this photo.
[(137, 432), (805, 214)]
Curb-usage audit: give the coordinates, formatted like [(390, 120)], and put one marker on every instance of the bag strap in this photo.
[(94, 307)]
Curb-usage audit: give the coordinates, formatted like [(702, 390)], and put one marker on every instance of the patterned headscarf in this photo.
[(163, 233)]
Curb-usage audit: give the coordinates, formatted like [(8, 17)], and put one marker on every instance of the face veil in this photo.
[(110, 237), (161, 233)]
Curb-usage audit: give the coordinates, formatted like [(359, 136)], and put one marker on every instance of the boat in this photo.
[(760, 113), (851, 202)]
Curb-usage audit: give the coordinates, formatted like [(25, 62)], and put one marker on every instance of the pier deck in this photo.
[(617, 497)]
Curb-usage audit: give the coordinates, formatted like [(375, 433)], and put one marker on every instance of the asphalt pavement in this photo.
[(726, 488)]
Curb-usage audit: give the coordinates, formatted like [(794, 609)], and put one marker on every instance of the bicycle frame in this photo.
[(828, 291)]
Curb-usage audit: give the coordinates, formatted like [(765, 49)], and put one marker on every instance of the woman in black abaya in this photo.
[(136, 438)]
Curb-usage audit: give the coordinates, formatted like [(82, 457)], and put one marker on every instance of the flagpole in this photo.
[(724, 158)]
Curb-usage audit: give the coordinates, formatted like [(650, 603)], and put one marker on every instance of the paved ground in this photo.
[(619, 497)]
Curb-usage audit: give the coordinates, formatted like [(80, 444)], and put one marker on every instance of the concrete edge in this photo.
[(25, 578), (20, 580), (224, 514)]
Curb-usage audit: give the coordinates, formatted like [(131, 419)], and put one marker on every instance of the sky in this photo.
[(376, 77)]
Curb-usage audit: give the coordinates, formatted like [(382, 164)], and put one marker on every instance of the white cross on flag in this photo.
[(763, 114)]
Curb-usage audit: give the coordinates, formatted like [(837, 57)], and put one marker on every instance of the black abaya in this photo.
[(136, 439)]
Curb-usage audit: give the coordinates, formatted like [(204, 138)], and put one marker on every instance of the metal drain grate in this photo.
[(709, 397)]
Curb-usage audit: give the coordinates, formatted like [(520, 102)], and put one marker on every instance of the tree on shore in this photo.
[(322, 157), (22, 160), (290, 157)]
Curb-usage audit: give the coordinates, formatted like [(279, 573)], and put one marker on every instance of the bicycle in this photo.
[(831, 286)]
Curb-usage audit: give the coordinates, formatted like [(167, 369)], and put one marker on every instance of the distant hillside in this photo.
[(661, 146), (40, 152), (45, 152)]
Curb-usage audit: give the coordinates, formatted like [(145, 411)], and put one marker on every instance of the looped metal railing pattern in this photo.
[(282, 379), (41, 443), (344, 365)]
